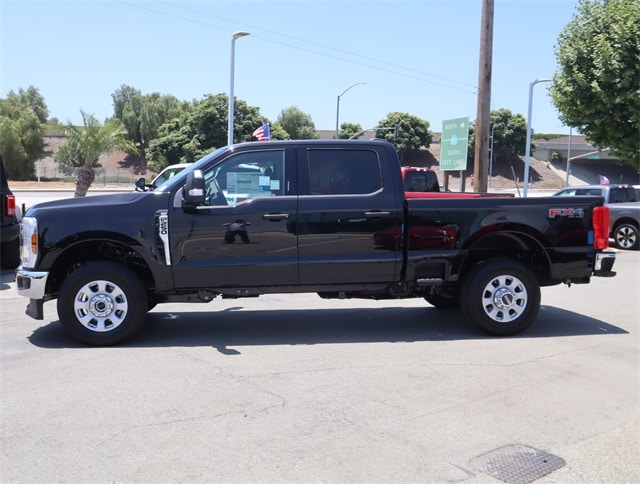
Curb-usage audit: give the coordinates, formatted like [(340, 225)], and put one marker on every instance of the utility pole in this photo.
[(483, 118)]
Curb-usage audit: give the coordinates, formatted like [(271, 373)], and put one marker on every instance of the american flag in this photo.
[(262, 133), (604, 180)]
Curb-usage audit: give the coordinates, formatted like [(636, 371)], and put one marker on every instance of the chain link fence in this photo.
[(107, 177)]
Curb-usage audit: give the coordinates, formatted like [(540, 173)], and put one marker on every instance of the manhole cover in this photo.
[(517, 464)]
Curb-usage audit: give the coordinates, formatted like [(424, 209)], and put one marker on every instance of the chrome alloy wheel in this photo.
[(100, 306), (626, 236), (504, 298)]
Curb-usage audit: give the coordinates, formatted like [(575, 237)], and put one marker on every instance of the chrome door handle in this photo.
[(275, 216), (376, 214)]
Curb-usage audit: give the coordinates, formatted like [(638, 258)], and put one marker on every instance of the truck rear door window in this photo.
[(618, 195), (339, 172)]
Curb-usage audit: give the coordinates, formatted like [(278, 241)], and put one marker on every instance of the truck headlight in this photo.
[(29, 241)]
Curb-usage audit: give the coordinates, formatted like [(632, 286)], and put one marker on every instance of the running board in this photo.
[(429, 281)]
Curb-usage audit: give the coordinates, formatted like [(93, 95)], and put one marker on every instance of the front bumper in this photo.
[(604, 264), (32, 284)]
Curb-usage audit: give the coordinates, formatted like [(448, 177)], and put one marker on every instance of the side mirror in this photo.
[(193, 192), (141, 185)]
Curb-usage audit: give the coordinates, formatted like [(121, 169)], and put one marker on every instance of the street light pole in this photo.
[(527, 158), (338, 105), (569, 157), (235, 37), (591, 153)]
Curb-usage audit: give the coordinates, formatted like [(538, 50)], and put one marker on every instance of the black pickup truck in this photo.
[(325, 217), (9, 228)]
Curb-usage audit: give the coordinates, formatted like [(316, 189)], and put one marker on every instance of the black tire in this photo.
[(10, 254), (102, 303), (444, 300), (625, 236), (501, 296)]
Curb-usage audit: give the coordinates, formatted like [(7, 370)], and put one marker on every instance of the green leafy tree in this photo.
[(169, 147), (85, 145), (201, 129), (246, 120), (278, 132), (142, 115), (22, 129), (297, 124), (597, 86), (407, 132), (509, 135), (31, 97), (347, 130)]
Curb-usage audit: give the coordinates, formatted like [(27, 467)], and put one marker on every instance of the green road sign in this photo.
[(593, 157), (453, 145)]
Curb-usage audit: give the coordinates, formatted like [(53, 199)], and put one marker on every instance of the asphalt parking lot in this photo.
[(293, 388)]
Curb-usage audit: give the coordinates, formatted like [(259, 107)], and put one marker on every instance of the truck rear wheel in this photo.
[(102, 303), (501, 296)]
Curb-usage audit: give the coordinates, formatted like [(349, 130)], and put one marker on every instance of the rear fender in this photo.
[(526, 247)]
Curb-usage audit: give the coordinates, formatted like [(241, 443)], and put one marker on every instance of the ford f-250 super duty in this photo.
[(9, 228), (325, 217)]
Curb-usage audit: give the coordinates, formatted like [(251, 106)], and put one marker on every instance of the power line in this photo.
[(318, 44), (315, 52)]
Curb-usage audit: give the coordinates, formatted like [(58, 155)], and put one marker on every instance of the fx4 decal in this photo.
[(566, 212)]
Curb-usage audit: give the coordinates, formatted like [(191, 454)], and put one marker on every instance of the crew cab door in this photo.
[(241, 235), (349, 215)]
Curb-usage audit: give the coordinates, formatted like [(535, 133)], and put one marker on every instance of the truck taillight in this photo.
[(601, 222), (10, 206)]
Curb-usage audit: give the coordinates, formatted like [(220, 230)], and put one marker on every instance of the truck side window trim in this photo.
[(243, 202), (242, 176)]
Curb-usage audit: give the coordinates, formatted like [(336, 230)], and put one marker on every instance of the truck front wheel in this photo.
[(102, 303), (501, 296)]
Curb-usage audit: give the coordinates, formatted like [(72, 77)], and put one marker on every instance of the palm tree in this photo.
[(87, 143)]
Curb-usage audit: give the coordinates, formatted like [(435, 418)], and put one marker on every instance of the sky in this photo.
[(418, 56)]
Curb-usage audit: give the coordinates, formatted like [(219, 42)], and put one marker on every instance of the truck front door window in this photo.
[(245, 176)]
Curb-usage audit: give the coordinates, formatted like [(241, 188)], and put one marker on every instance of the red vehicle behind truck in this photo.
[(420, 182)]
